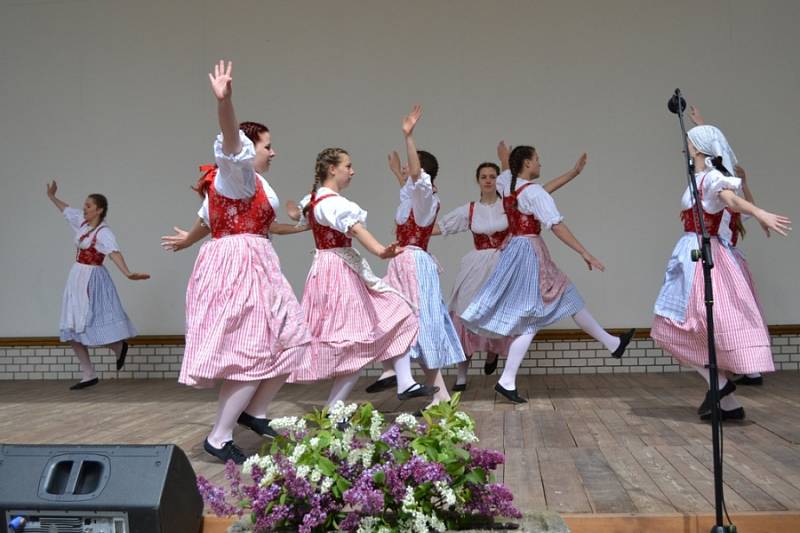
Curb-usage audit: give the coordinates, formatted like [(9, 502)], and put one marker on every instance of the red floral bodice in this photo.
[(90, 255), (409, 233), (520, 223), (482, 240), (325, 237), (711, 221), (228, 216)]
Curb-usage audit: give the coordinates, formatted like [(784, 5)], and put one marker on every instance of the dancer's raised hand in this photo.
[(410, 120), (52, 189), (221, 80), (592, 262), (503, 152)]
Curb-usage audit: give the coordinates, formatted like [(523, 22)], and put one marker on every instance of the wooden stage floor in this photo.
[(583, 444)]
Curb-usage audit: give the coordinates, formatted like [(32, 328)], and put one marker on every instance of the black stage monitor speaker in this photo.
[(98, 489)]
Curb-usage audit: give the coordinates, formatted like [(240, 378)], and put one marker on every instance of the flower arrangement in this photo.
[(346, 468)]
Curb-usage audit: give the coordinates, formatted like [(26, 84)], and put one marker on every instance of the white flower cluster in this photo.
[(327, 483), (376, 421), (406, 420), (303, 471), (420, 522), (297, 453), (291, 423), (362, 455), (446, 493), (464, 417), (267, 466), (408, 500), (369, 524), (339, 411), (466, 436)]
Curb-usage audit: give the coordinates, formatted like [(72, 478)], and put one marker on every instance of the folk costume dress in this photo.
[(243, 322), (526, 291), (354, 317), (415, 273), (91, 312), (489, 227), (679, 327)]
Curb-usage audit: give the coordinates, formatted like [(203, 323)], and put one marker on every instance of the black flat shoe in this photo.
[(259, 425), (747, 380), (228, 452), (511, 395), (122, 354), (459, 387), (733, 414), (624, 340), (382, 384), (84, 384), (705, 407), (417, 390), (490, 366)]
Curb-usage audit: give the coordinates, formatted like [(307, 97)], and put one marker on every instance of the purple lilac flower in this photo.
[(214, 497), (394, 437), (491, 500), (364, 495), (422, 471), (485, 459), (351, 522), (278, 515)]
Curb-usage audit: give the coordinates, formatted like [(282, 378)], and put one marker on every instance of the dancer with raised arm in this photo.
[(91, 311)]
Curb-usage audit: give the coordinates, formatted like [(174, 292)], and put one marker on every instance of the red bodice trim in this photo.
[(482, 240), (325, 237), (520, 223)]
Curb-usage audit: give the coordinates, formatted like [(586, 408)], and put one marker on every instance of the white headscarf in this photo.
[(710, 140)]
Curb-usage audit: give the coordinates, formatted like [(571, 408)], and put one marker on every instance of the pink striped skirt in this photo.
[(742, 339), (351, 325), (243, 322)]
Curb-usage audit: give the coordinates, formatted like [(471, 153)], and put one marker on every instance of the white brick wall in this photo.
[(546, 357)]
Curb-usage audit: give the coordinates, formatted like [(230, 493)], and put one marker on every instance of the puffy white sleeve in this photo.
[(503, 180), (424, 200), (236, 177), (339, 213), (714, 183), (106, 241), (74, 217), (455, 221), (534, 200), (272, 196), (302, 204)]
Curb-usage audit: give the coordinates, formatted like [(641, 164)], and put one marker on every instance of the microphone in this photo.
[(674, 101)]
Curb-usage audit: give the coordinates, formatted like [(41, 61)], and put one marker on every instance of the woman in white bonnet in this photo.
[(679, 326)]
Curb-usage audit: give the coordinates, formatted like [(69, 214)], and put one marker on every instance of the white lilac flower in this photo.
[(354, 456), (327, 483), (367, 525), (314, 442), (436, 524), (466, 436), (408, 500), (303, 471), (247, 466), (406, 420), (420, 522), (292, 423), (339, 411), (376, 422), (316, 475), (297, 453), (446, 493), (464, 417), (366, 455)]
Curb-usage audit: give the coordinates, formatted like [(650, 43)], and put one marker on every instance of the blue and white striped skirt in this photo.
[(415, 273), (91, 312), (525, 293)]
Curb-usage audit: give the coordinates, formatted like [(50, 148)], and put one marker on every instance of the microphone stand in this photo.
[(704, 255)]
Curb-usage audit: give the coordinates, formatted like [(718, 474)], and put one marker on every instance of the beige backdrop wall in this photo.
[(112, 96)]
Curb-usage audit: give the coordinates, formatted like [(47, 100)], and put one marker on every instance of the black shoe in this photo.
[(733, 414), (122, 354), (383, 384), (459, 387), (228, 452), (624, 340), (705, 407), (490, 366), (259, 425), (417, 390), (747, 380), (511, 395), (84, 384)]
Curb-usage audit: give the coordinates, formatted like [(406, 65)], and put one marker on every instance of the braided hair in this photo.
[(326, 158), (516, 159)]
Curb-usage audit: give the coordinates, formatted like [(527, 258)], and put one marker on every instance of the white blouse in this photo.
[(419, 196), (236, 177), (713, 183), (337, 212), (534, 200), (486, 219), (106, 242)]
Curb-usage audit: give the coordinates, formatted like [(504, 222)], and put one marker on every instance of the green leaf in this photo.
[(379, 477), (326, 466), (477, 476)]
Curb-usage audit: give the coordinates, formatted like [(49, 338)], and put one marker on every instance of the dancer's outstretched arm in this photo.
[(409, 122), (556, 183), (118, 260), (221, 87), (396, 168), (561, 231), (278, 228), (183, 239), (503, 151), (362, 235), (52, 189), (771, 221)]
